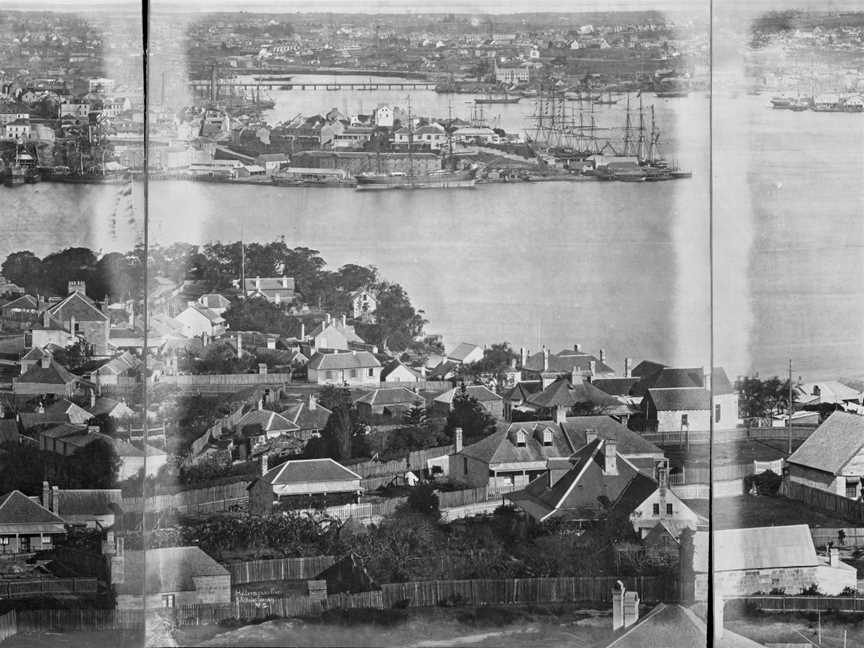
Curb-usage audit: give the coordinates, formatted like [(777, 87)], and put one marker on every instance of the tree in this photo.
[(397, 321), (762, 398), (336, 439), (496, 359), (94, 466), (71, 264), (467, 413), (422, 499), (24, 269), (221, 358), (258, 314)]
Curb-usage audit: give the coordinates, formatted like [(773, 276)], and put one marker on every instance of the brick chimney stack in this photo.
[(610, 461), (457, 440)]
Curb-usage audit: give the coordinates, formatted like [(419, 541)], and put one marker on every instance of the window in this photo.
[(668, 509), (684, 421), (465, 465), (717, 413), (656, 509), (547, 437), (520, 439), (331, 375), (371, 373), (167, 600), (4, 544), (852, 489)]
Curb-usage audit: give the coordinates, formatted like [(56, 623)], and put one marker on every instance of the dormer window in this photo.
[(520, 439), (547, 437)]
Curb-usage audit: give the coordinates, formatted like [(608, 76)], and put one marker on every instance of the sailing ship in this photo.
[(500, 99), (412, 179), (21, 170)]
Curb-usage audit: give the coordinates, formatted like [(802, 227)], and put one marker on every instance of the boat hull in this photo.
[(436, 180)]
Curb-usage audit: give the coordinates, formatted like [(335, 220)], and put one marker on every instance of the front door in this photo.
[(24, 544)]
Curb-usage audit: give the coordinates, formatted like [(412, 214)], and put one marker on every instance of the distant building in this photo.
[(80, 317), (198, 320), (396, 372), (364, 303), (276, 290), (26, 526), (680, 399), (344, 368), (489, 400), (465, 353), (392, 401), (303, 484), (832, 458)]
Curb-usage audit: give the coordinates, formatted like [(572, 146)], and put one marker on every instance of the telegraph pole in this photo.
[(789, 414)]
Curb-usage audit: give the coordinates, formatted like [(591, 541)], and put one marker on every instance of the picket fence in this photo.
[(259, 571), (728, 472), (851, 510), (519, 591), (19, 587), (701, 437), (204, 381), (415, 460), (362, 511)]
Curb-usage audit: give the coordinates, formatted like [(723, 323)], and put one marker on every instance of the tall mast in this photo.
[(628, 144), (410, 141), (640, 146), (242, 263)]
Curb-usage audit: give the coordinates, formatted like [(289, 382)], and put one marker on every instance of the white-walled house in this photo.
[(198, 320), (686, 399), (832, 458), (345, 368)]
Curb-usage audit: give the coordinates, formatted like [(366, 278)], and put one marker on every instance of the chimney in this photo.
[(76, 286), (577, 348), (590, 435), (457, 440), (262, 368), (628, 369), (239, 346), (271, 344), (575, 376), (663, 476), (513, 363), (313, 402), (834, 556), (545, 359), (302, 331), (592, 367), (55, 498), (45, 360), (344, 321), (603, 356), (523, 357), (264, 466), (257, 283), (46, 495), (284, 281), (328, 319), (92, 398), (46, 318), (560, 414), (610, 462), (131, 314), (72, 323)]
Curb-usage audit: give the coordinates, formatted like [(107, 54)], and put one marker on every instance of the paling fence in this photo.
[(201, 500), (849, 509), (852, 536), (257, 571), (516, 591), (76, 619), (20, 587), (8, 625), (804, 603), (696, 437)]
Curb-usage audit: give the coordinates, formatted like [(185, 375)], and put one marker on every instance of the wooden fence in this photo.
[(415, 460), (8, 625), (258, 571), (519, 591), (80, 619), (728, 472), (697, 437), (218, 381), (362, 511), (21, 587), (853, 536), (202, 500), (804, 603), (851, 510)]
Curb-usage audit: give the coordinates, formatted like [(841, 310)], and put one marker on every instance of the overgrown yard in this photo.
[(748, 511)]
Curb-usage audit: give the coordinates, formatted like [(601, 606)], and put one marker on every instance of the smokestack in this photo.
[(603, 356), (457, 440), (610, 462), (628, 369)]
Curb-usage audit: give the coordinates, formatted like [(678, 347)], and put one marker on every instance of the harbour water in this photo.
[(619, 266)]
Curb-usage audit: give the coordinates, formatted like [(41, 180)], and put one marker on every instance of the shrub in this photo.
[(812, 590), (849, 591), (778, 591)]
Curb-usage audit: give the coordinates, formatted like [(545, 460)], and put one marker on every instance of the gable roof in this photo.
[(500, 446), (833, 444), (78, 306), (79, 502), (391, 396), (605, 427), (616, 386), (346, 360), (19, 512), (565, 362), (305, 417), (563, 393), (480, 392), (167, 569), (680, 399), (300, 471), (462, 351), (55, 374), (268, 420), (764, 548), (27, 302), (393, 366)]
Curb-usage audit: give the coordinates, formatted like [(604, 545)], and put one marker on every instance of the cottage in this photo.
[(442, 404), (257, 427), (276, 290), (465, 353), (80, 316), (26, 526), (364, 303), (303, 484), (20, 313), (762, 559), (832, 458), (546, 368), (390, 401), (828, 391), (48, 377), (348, 368), (397, 372), (309, 416), (198, 321), (681, 399), (215, 302), (92, 508), (170, 577)]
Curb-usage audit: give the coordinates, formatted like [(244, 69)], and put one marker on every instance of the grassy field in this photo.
[(747, 511)]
